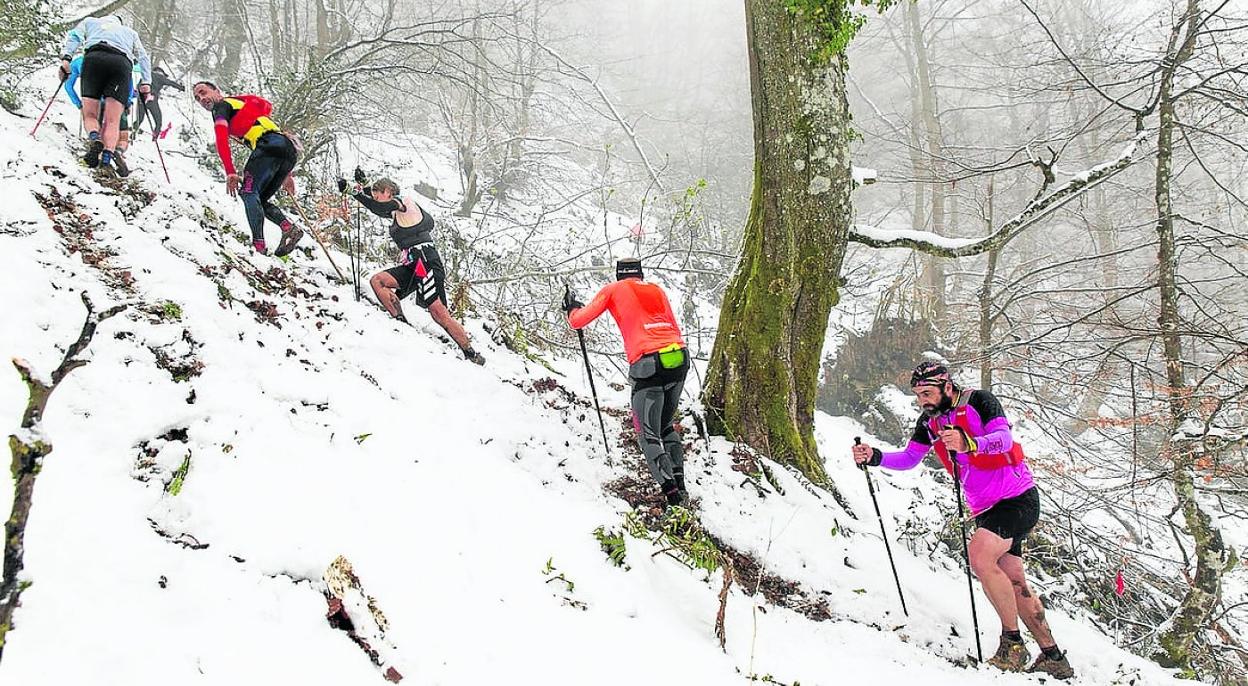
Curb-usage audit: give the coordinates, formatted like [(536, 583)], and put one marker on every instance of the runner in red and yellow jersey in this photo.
[(273, 157)]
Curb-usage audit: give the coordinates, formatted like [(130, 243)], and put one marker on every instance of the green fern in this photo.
[(684, 533), (613, 545), (179, 477), (550, 570)]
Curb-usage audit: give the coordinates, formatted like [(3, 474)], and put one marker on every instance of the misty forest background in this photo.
[(1049, 193)]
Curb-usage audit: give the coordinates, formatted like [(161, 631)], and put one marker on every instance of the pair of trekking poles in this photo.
[(970, 588), (355, 249), (48, 107)]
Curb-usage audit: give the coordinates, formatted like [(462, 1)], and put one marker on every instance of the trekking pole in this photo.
[(348, 240), (45, 109), (161, 156), (594, 391), (966, 555), (316, 235), (359, 257), (883, 533)]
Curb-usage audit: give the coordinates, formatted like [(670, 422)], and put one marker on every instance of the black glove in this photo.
[(570, 302), (63, 72), (876, 457), (359, 176), (342, 185)]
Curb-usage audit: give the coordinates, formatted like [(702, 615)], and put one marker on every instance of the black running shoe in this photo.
[(289, 239), (92, 158), (673, 495), (473, 356)]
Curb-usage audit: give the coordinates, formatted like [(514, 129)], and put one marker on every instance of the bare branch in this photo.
[(932, 244)]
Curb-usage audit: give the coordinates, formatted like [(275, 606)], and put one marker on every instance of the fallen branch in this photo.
[(28, 447), (720, 632)]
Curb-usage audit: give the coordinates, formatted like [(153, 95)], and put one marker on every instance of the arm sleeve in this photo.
[(159, 81), (221, 126), (70, 86), (381, 209), (916, 449), (145, 61), (154, 108), (904, 459), (997, 437), (582, 316), (73, 39)]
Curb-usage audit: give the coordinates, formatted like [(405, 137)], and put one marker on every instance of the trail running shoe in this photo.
[(1011, 656), (673, 495), (123, 169), (289, 239), (260, 247), (473, 356), (1058, 669), (92, 158)]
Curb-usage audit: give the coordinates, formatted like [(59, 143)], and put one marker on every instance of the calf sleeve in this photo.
[(648, 410), (274, 214), (255, 213), (671, 438)]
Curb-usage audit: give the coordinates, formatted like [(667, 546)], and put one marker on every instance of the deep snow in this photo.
[(448, 486)]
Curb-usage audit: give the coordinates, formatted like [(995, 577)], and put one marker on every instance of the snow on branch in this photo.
[(1041, 207)]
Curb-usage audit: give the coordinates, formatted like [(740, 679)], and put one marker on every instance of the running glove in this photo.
[(570, 302), (359, 176)]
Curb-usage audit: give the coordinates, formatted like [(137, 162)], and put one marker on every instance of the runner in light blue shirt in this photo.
[(110, 50)]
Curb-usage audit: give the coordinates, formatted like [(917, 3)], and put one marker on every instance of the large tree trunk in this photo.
[(765, 364), (1211, 555), (986, 315), (933, 167), (233, 38)]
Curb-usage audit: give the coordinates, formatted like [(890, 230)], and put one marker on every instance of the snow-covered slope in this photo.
[(244, 422)]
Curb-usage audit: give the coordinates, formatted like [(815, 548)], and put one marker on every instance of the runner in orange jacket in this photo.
[(657, 366)]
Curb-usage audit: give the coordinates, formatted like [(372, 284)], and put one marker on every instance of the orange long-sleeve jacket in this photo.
[(642, 312)]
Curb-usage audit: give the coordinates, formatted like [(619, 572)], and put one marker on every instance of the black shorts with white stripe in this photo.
[(423, 275)]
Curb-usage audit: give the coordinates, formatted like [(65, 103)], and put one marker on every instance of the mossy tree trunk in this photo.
[(1212, 556), (764, 367)]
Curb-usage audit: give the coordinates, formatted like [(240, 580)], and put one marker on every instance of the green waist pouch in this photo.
[(672, 356)]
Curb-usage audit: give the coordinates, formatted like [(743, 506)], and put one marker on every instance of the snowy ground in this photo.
[(328, 430)]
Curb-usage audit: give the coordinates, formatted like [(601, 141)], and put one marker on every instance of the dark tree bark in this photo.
[(1205, 588), (765, 364), (927, 128)]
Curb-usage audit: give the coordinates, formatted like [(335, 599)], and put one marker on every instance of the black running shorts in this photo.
[(423, 275), (105, 74), (1013, 518)]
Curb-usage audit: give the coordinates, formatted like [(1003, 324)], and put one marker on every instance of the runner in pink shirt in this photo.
[(968, 427)]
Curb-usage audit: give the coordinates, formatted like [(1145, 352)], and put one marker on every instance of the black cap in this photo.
[(628, 268)]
